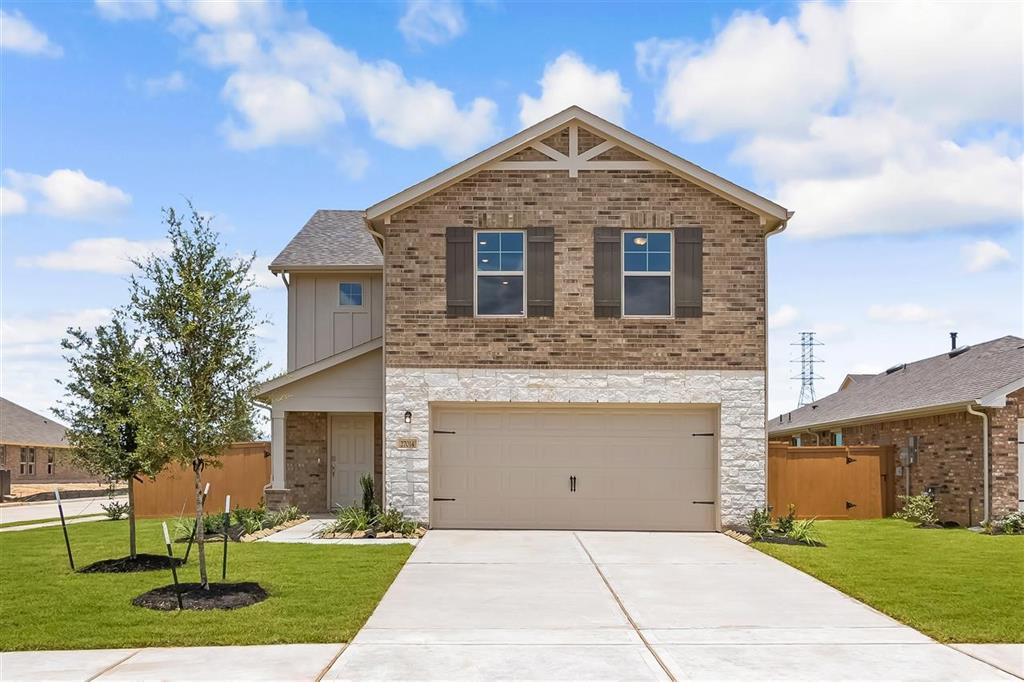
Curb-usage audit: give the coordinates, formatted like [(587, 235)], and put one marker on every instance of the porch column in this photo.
[(277, 450)]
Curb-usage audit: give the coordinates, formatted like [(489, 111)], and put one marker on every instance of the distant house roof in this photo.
[(331, 240), (21, 426), (854, 378), (984, 374)]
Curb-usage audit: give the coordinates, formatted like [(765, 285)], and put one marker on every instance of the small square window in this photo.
[(351, 293)]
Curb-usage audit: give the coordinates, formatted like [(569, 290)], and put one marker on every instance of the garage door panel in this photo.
[(635, 469)]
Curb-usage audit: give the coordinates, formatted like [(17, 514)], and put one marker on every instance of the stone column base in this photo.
[(276, 499)]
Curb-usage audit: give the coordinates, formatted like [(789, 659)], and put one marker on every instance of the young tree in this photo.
[(195, 310), (108, 387)]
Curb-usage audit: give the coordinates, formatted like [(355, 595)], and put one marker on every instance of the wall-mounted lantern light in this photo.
[(408, 417)]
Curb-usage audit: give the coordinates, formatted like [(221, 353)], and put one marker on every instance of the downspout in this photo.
[(775, 230), (984, 459)]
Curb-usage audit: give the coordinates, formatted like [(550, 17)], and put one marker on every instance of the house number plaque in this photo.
[(407, 443)]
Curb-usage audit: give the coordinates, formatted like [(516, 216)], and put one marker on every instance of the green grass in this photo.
[(32, 522), (954, 585), (318, 593)]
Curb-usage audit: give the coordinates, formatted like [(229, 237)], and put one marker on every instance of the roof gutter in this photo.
[(984, 460), (873, 418)]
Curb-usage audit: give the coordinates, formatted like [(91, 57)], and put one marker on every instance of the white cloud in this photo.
[(984, 255), (18, 332), (105, 255), (261, 276), (755, 74), (11, 203), (784, 316), (432, 21), (117, 10), (290, 83), (569, 80), (863, 117), (17, 34), (175, 81), (905, 312), (68, 193)]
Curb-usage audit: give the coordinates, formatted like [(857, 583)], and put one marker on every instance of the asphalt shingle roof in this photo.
[(329, 239), (941, 380), (20, 425)]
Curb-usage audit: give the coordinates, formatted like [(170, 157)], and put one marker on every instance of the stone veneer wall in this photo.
[(740, 394)]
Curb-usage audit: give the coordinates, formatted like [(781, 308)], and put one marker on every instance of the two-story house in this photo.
[(566, 330)]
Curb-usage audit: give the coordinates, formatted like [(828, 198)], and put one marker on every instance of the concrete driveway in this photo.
[(636, 606)]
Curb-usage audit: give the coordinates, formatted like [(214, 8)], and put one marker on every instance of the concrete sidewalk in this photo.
[(32, 511), (276, 662)]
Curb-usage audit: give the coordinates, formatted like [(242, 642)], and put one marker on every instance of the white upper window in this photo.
[(500, 272), (647, 274)]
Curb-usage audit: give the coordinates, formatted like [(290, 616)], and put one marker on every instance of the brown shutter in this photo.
[(607, 272), (540, 272), (459, 271), (689, 273)]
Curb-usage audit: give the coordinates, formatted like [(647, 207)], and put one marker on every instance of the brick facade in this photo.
[(64, 468), (950, 458), (730, 335)]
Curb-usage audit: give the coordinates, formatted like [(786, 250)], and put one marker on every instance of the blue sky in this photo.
[(893, 131)]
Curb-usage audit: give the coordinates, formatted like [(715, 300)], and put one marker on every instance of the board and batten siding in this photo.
[(319, 326)]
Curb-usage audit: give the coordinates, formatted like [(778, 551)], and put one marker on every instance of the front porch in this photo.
[(321, 457)]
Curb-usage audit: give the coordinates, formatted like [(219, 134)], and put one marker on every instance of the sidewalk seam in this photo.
[(111, 667), (330, 664)]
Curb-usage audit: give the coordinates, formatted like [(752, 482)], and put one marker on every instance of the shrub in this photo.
[(369, 502), (918, 508), (115, 511), (394, 521), (784, 524), (803, 530), (351, 519), (1013, 523), (760, 523)]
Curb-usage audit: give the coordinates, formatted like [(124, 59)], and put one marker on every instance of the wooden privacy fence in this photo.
[(834, 482), (244, 472)]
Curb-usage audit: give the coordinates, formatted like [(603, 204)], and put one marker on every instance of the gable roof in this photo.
[(264, 390), (982, 374), (22, 426), (331, 240), (774, 214)]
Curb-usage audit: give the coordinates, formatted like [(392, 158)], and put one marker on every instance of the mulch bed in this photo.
[(195, 598), (141, 562)]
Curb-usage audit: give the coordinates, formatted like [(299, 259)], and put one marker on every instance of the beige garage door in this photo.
[(573, 468)]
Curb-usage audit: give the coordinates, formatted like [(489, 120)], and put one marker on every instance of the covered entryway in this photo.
[(593, 467), (351, 444)]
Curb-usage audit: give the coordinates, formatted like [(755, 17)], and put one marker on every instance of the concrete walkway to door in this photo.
[(628, 606)]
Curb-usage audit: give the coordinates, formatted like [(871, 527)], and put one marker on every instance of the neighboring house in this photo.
[(946, 415), (34, 449), (566, 330)]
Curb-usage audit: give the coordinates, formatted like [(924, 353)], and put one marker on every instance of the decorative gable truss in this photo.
[(574, 149)]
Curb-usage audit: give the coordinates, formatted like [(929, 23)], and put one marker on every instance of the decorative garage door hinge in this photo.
[(444, 499), (703, 501), (440, 431), (703, 434)]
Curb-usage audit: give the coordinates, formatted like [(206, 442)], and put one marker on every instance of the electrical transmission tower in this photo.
[(807, 361)]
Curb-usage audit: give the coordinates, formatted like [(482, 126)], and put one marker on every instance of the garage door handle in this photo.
[(444, 499), (703, 501)]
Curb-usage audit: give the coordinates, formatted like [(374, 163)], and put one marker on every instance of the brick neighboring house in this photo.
[(566, 330), (34, 449), (932, 409)]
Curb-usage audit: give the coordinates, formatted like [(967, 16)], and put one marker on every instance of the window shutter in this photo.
[(689, 273), (540, 272), (607, 272), (459, 271)]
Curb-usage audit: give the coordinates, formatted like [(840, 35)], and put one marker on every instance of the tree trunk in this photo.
[(197, 466), (131, 516)]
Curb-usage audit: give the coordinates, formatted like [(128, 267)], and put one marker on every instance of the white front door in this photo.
[(351, 456)]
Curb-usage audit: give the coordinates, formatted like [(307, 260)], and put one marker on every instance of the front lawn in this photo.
[(954, 585), (318, 593)]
